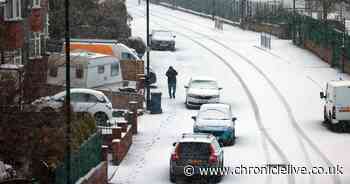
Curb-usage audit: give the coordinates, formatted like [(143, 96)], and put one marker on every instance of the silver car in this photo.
[(202, 90), (162, 40)]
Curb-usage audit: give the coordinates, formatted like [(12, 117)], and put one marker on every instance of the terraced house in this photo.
[(24, 30)]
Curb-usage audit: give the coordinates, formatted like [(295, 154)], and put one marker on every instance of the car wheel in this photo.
[(101, 118), (172, 177), (325, 117)]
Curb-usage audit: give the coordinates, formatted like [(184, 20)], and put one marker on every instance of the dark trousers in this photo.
[(172, 89)]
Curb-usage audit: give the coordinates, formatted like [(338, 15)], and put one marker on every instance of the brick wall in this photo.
[(120, 146), (98, 175)]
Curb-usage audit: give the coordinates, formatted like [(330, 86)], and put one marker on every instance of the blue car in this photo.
[(216, 119)]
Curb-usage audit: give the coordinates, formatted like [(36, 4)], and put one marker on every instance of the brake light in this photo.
[(333, 112), (175, 156), (213, 158)]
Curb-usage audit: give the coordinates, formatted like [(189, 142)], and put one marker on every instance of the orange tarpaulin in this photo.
[(102, 49)]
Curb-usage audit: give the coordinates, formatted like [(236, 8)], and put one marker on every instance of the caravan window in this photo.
[(114, 69), (79, 72), (101, 69), (126, 55)]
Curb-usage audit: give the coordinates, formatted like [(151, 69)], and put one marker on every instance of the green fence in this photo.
[(82, 161), (322, 34)]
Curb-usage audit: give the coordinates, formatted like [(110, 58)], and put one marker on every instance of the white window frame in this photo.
[(46, 26), (35, 39), (16, 7), (17, 58), (13, 56), (36, 3)]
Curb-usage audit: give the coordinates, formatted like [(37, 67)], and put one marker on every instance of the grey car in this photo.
[(162, 40), (195, 150)]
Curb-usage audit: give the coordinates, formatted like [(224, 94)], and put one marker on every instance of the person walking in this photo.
[(171, 74)]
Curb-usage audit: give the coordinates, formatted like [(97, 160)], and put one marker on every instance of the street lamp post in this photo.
[(148, 90), (67, 105)]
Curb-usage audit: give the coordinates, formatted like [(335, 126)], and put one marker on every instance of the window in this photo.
[(92, 98), (36, 3), (13, 10), (114, 69), (35, 45), (79, 97), (53, 71), (101, 69), (126, 55), (46, 26), (79, 72), (13, 56)]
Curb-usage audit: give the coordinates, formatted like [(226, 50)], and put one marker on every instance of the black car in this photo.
[(162, 40), (192, 152)]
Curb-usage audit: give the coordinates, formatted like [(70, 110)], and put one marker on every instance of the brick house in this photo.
[(24, 25)]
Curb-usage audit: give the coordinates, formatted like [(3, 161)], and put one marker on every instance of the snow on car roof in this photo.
[(196, 137), (215, 106), (340, 83), (84, 90)]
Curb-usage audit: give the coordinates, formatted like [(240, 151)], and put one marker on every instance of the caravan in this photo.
[(88, 70), (108, 47)]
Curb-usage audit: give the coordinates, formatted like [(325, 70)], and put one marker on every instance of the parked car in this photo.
[(198, 150), (202, 90), (216, 119), (336, 110), (82, 100), (162, 40)]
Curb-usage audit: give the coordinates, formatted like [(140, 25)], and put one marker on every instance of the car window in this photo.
[(194, 149), (162, 34), (91, 98), (203, 84), (213, 114), (79, 97)]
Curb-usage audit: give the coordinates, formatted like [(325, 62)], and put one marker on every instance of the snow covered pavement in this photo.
[(274, 94)]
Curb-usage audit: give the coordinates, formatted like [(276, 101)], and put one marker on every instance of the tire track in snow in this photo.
[(254, 105), (298, 129)]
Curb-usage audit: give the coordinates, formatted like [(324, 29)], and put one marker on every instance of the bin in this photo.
[(156, 103)]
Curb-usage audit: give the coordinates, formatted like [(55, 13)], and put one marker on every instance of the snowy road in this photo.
[(274, 94)]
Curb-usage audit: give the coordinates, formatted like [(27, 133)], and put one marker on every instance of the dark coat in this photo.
[(171, 74)]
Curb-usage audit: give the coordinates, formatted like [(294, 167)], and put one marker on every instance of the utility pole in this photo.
[(294, 26), (67, 101), (148, 90)]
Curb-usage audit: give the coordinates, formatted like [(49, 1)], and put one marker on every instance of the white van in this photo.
[(337, 105), (88, 70)]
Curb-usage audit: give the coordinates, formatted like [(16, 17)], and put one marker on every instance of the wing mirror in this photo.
[(174, 36), (186, 86), (234, 119), (322, 95), (174, 143), (220, 88), (194, 118)]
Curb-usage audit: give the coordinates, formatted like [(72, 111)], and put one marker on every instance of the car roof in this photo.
[(161, 30), (197, 137), (215, 106), (203, 78), (84, 90)]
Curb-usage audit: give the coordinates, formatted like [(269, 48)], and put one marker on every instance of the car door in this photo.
[(77, 100)]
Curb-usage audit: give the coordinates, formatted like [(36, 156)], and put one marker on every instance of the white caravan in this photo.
[(88, 70)]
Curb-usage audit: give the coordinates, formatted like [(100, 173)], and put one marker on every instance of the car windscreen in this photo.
[(204, 84), (194, 150), (164, 34), (211, 114)]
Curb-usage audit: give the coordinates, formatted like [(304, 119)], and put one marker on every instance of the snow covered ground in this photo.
[(274, 94)]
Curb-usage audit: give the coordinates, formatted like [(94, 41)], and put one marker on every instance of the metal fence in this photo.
[(234, 10), (82, 161), (323, 34)]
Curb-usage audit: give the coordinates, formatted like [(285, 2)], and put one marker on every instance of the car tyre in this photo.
[(101, 118), (172, 178)]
